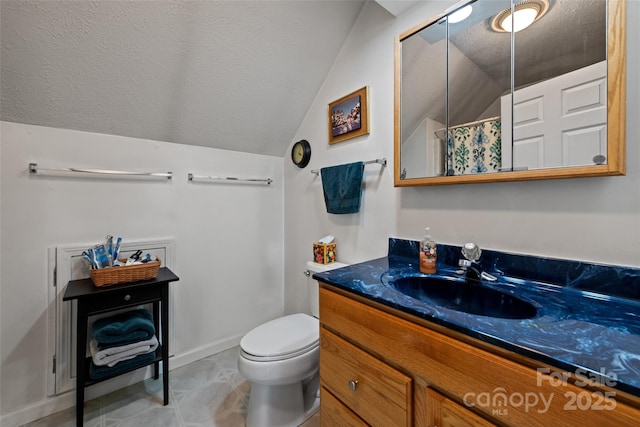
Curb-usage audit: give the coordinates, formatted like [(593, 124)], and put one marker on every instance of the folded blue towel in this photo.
[(99, 372), (342, 186), (123, 328)]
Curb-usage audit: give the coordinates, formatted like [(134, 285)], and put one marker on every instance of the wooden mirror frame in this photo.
[(616, 116)]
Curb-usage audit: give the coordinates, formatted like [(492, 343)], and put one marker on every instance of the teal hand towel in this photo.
[(342, 186), (123, 328)]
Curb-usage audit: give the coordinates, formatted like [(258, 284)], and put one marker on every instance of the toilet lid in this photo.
[(282, 338)]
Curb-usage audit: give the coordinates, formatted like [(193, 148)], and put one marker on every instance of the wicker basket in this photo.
[(124, 274)]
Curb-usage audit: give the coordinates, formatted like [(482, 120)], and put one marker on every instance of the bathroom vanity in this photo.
[(387, 358)]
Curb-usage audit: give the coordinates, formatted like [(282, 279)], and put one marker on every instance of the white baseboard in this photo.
[(54, 404), (204, 351)]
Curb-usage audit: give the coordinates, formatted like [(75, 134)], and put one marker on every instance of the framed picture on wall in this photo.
[(349, 116)]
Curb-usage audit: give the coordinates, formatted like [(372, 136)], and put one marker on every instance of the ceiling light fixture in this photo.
[(460, 14), (524, 14)]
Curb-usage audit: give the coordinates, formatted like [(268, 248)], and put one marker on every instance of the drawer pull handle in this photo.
[(127, 297), (353, 385)]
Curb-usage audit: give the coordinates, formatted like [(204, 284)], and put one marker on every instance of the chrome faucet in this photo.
[(471, 269)]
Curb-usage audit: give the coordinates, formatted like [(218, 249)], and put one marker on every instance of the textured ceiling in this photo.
[(237, 75), (397, 7)]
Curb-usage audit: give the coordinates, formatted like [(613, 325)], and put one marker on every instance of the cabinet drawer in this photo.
[(376, 392), (334, 413), (124, 298)]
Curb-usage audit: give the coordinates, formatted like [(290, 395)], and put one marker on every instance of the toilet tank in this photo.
[(312, 284)]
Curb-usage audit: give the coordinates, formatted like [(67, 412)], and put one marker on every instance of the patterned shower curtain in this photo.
[(474, 148)]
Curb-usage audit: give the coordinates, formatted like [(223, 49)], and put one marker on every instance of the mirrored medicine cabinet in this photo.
[(476, 102)]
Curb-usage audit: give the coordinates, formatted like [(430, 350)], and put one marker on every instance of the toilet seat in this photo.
[(281, 338)]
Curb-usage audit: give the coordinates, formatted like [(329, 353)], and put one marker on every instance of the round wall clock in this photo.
[(301, 153)]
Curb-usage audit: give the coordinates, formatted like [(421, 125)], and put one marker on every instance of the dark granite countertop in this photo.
[(578, 328)]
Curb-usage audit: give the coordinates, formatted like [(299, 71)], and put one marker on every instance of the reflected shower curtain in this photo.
[(474, 148)]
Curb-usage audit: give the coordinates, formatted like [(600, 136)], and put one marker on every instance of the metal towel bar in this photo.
[(382, 162), (34, 169), (192, 177)]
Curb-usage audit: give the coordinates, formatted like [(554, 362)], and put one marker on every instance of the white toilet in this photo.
[(280, 359)]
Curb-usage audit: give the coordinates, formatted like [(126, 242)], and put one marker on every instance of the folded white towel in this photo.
[(112, 355)]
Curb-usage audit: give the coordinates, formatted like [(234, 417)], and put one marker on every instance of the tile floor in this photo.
[(207, 393)]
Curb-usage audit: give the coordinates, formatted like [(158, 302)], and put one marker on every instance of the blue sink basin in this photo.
[(464, 296)]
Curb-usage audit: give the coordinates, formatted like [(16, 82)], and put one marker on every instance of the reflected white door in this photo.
[(558, 122)]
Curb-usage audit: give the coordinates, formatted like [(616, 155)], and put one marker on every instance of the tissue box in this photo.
[(324, 253)]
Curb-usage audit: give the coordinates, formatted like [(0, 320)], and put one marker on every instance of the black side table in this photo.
[(94, 300)]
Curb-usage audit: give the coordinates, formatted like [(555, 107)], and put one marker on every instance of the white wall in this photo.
[(423, 153), (594, 219), (229, 244), (414, 152)]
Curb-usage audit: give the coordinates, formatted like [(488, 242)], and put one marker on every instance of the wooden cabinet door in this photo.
[(334, 413), (443, 412)]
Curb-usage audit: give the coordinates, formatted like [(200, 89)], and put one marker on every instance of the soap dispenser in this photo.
[(428, 253)]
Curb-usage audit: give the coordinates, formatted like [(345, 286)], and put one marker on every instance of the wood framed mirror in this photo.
[(475, 103)]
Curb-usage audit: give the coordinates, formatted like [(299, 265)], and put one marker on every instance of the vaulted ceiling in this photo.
[(237, 75)]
